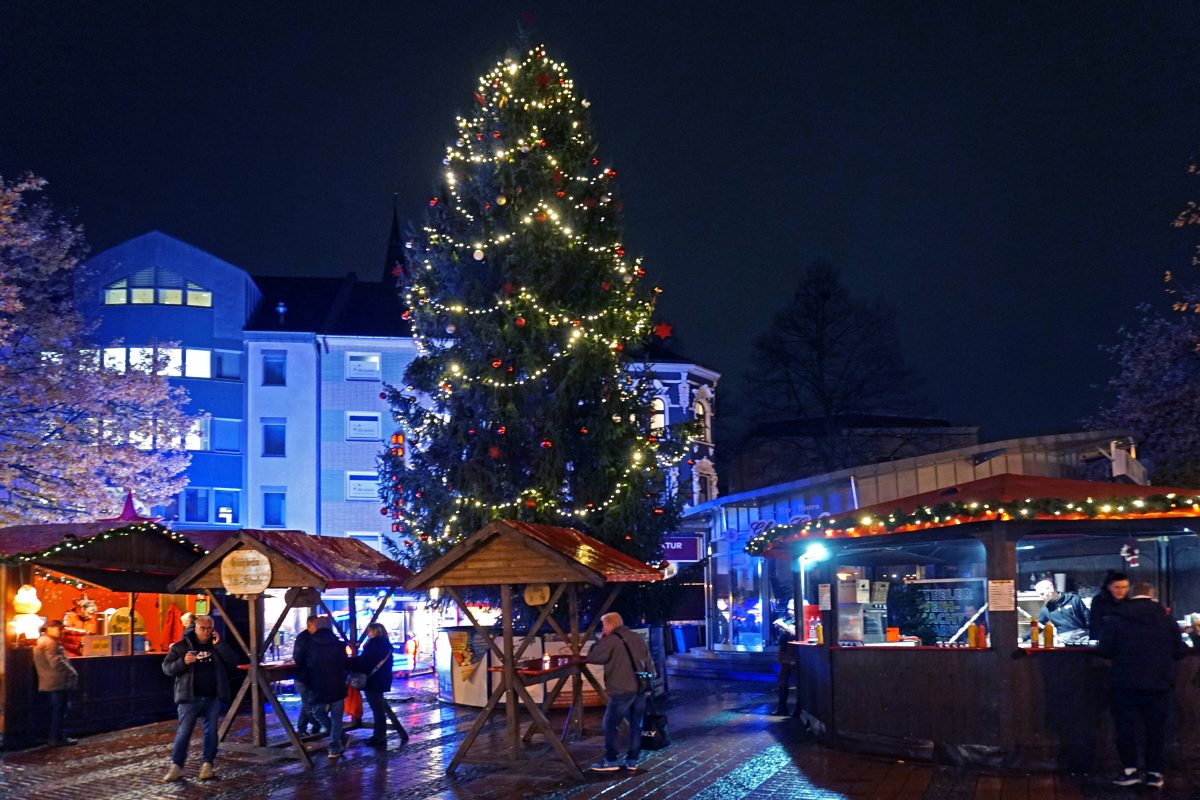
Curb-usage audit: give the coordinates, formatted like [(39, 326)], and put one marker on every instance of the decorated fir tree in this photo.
[(525, 401)]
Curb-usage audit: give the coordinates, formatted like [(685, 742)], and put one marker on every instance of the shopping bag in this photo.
[(655, 735), (353, 707)]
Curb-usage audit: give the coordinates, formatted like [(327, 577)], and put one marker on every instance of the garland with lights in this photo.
[(71, 544), (62, 580), (955, 513), (525, 310)]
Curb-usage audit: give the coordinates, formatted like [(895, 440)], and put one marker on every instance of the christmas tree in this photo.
[(525, 401)]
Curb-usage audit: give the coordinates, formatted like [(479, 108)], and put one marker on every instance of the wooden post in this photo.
[(575, 715), (510, 674), (258, 723), (352, 621)]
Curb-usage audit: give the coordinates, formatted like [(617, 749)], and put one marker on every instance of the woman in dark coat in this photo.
[(376, 662), (1113, 591)]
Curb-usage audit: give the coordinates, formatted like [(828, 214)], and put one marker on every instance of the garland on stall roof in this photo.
[(71, 544), (62, 579), (856, 523)]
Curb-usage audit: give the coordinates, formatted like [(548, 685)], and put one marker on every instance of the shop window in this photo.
[(274, 508), (362, 366), (737, 614), (195, 504), (274, 436), (363, 426), (928, 592), (274, 367), (227, 365), (197, 363), (227, 506), (226, 435), (362, 486)]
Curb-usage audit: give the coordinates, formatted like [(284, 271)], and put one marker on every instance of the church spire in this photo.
[(393, 262)]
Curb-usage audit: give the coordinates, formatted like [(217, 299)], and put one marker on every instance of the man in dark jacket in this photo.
[(1114, 590), (1065, 610), (322, 659), (200, 664), (306, 719), (623, 654), (1143, 641)]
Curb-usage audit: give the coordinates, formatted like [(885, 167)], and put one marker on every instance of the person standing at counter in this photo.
[(785, 628), (375, 662), (306, 719), (1143, 641), (1065, 610), (57, 678), (200, 664), (1113, 591), (623, 654)]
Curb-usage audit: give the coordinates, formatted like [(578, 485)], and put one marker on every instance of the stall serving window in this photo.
[(1061, 578), (914, 593)]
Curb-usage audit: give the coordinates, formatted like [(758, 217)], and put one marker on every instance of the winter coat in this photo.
[(54, 670), (1102, 605), (619, 670), (322, 660), (176, 667), (376, 649), (1143, 641), (300, 673)]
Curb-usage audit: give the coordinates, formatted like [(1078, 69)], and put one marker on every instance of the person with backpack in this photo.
[(623, 655)]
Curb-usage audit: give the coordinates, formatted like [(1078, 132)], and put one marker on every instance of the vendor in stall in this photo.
[(1066, 611), (77, 623)]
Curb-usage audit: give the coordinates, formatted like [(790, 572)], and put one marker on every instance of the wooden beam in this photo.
[(476, 727), (487, 635), (537, 624), (231, 713), (275, 628), (297, 745), (510, 674), (212, 598), (336, 625), (543, 725), (604, 607), (374, 617)]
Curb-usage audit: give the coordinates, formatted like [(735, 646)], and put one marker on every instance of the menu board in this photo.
[(1002, 596), (947, 604)]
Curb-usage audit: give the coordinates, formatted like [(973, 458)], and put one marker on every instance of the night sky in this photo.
[(1004, 174)]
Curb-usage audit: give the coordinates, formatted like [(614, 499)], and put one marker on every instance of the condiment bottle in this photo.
[(1048, 635), (981, 636), (972, 630), (820, 633), (1034, 634)]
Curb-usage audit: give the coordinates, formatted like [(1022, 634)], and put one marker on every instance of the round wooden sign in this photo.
[(245, 571), (537, 594)]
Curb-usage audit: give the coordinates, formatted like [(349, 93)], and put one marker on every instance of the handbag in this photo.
[(655, 734), (645, 680), (358, 680)]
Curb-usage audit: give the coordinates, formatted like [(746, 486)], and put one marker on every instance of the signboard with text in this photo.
[(682, 549)]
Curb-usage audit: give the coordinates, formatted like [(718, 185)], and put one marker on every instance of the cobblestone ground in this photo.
[(726, 747)]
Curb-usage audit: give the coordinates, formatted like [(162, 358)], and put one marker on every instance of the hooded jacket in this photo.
[(321, 658), (1143, 641), (175, 666)]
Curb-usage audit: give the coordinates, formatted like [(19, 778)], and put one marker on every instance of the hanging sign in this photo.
[(245, 571), (537, 594), (681, 549), (1002, 596)]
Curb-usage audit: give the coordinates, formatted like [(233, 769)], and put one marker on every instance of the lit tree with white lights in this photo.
[(522, 403)]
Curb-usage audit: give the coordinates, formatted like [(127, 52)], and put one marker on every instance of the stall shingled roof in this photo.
[(506, 551), (1002, 497), (298, 559)]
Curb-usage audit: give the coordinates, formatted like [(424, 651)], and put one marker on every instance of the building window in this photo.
[(274, 437), (227, 365), (362, 366), (195, 504), (705, 423), (372, 539), (114, 359), (227, 503), (363, 426), (199, 437), (362, 486), (156, 285), (658, 415), (197, 363), (141, 358), (274, 366), (226, 435), (274, 508), (172, 362), (168, 512)]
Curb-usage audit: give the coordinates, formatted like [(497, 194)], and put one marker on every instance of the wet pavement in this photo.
[(726, 746)]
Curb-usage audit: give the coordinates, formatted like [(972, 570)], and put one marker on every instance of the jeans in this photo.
[(378, 714), (620, 707), (1132, 709), (207, 709), (60, 706), (306, 717), (329, 715)]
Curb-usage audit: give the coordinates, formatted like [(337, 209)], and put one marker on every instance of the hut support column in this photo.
[(258, 722), (510, 675)]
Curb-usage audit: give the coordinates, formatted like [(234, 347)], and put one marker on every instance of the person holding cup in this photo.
[(200, 664)]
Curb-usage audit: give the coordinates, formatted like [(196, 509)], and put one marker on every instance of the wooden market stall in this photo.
[(122, 565), (504, 553), (250, 562), (898, 586)]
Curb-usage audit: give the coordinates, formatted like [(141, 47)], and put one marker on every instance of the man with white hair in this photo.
[(1065, 610), (200, 663), (623, 654)]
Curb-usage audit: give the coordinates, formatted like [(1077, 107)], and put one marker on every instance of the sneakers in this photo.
[(605, 766), (631, 763), (173, 774), (1154, 780), (1129, 777), (66, 741), (206, 772), (334, 756)]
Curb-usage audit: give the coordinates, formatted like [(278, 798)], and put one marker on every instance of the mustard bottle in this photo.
[(1034, 634), (1048, 635), (820, 633), (972, 632)]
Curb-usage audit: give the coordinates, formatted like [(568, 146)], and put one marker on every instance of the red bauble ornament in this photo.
[(496, 364), (495, 134), (507, 288), (495, 452), (620, 347), (606, 286), (408, 543), (479, 137), (397, 271), (595, 161), (543, 80), (546, 443), (406, 315), (531, 503), (541, 217), (502, 430), (557, 177), (520, 322), (433, 201), (583, 431), (560, 193), (589, 203), (621, 251), (383, 395), (383, 511)]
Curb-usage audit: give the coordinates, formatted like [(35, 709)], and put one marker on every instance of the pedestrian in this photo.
[(200, 663), (1114, 589), (1143, 641), (306, 720), (786, 657), (623, 654), (324, 662), (57, 678), (376, 662)]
